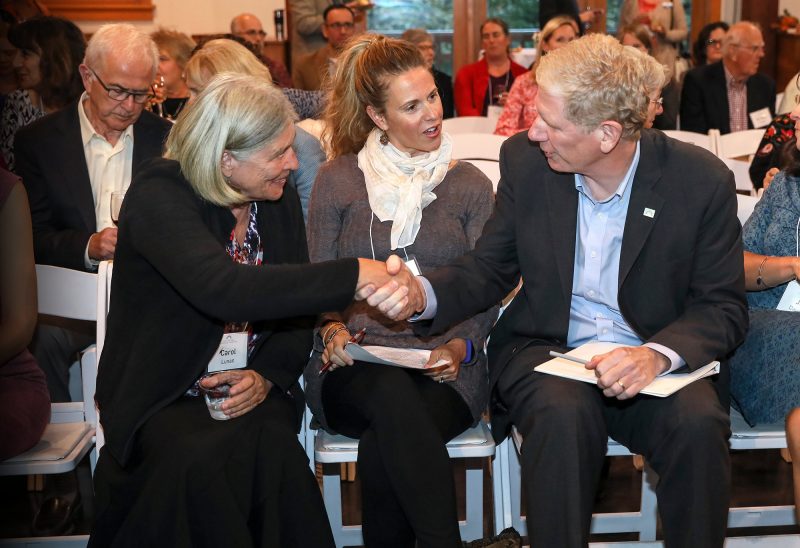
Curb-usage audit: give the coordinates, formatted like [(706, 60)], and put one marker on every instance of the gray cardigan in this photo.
[(339, 222)]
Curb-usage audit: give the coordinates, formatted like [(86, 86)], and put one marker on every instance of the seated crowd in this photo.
[(270, 217)]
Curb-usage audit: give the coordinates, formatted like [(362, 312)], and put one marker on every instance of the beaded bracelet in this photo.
[(335, 331), (324, 335), (759, 278)]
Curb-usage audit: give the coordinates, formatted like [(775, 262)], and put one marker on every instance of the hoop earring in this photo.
[(384, 139)]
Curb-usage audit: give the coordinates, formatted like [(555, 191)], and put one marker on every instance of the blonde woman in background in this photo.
[(518, 112), (174, 50)]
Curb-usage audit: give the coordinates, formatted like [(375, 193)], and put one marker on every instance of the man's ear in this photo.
[(377, 118), (610, 135)]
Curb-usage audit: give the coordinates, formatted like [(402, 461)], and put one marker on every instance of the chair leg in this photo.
[(648, 507)]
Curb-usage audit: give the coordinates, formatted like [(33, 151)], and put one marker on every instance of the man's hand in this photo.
[(624, 372), (102, 244), (248, 389), (399, 297)]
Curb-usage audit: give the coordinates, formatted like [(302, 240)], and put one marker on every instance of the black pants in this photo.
[(403, 420), (193, 481), (56, 344), (565, 425)]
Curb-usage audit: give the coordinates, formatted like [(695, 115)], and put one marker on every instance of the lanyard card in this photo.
[(231, 353), (413, 265)]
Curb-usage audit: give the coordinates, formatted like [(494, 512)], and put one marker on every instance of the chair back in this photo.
[(741, 173), (746, 205), (104, 272), (477, 146), (705, 141), (469, 124), (740, 144), (66, 293)]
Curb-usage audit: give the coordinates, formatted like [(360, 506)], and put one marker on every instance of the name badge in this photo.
[(494, 112), (760, 118), (790, 301), (413, 266), (231, 353)]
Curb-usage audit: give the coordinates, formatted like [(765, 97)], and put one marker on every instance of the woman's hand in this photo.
[(454, 352), (768, 176), (334, 351), (248, 389)]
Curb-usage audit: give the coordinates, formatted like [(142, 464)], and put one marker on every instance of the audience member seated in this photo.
[(667, 22), (775, 150), (310, 71), (519, 112), (248, 27), (765, 384), (8, 77), (308, 20), (486, 83), (228, 56), (49, 50), (666, 102), (174, 49), (392, 188), (72, 160), (24, 401), (731, 95), (707, 48), (444, 83), (210, 294)]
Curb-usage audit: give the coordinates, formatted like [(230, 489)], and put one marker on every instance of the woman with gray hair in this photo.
[(444, 82), (211, 296)]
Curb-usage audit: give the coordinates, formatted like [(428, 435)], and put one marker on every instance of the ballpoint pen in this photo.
[(357, 338), (568, 357)]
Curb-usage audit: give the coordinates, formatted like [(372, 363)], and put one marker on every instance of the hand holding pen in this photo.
[(357, 338)]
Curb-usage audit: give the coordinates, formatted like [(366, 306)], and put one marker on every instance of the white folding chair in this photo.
[(469, 124), (745, 207), (329, 448), (705, 141), (70, 434), (740, 144), (508, 503), (477, 146), (741, 175)]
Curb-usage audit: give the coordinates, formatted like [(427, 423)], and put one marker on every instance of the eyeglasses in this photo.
[(340, 26), (121, 94), (659, 101), (714, 43), (751, 49), (254, 32)]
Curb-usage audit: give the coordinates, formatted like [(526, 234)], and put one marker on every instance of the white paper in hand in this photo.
[(411, 358)]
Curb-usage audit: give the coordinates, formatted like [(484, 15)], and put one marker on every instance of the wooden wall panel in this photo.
[(109, 10)]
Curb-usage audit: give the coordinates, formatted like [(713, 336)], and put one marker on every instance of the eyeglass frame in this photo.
[(714, 43), (340, 26), (253, 32), (752, 49), (659, 101), (125, 92)]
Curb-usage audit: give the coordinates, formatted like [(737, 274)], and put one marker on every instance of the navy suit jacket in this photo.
[(52, 164), (704, 99), (681, 277)]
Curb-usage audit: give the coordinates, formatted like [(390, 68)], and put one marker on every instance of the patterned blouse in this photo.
[(18, 111), (778, 133), (518, 112)]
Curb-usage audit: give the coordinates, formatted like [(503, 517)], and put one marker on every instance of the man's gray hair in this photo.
[(599, 79), (124, 41)]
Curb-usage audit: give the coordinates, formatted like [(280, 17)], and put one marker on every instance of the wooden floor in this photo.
[(759, 478)]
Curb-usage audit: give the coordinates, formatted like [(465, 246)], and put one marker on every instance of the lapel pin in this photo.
[(649, 212)]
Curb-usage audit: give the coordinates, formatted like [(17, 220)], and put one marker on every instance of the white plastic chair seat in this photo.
[(741, 174), (745, 207), (477, 146), (699, 139), (739, 144)]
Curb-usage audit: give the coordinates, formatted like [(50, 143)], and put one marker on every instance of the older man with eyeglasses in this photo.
[(73, 159), (730, 95), (248, 27)]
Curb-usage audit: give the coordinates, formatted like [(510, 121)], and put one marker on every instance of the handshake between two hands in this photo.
[(390, 287)]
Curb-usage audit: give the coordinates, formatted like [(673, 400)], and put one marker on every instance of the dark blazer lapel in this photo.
[(644, 207), (562, 208), (72, 158), (148, 140), (718, 98)]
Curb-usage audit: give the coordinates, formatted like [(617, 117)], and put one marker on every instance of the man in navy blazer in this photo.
[(619, 234), (71, 160), (704, 98)]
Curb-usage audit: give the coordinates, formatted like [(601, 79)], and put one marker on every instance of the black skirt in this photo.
[(195, 481)]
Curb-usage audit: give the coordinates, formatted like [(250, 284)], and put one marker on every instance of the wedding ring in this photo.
[(621, 385)]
